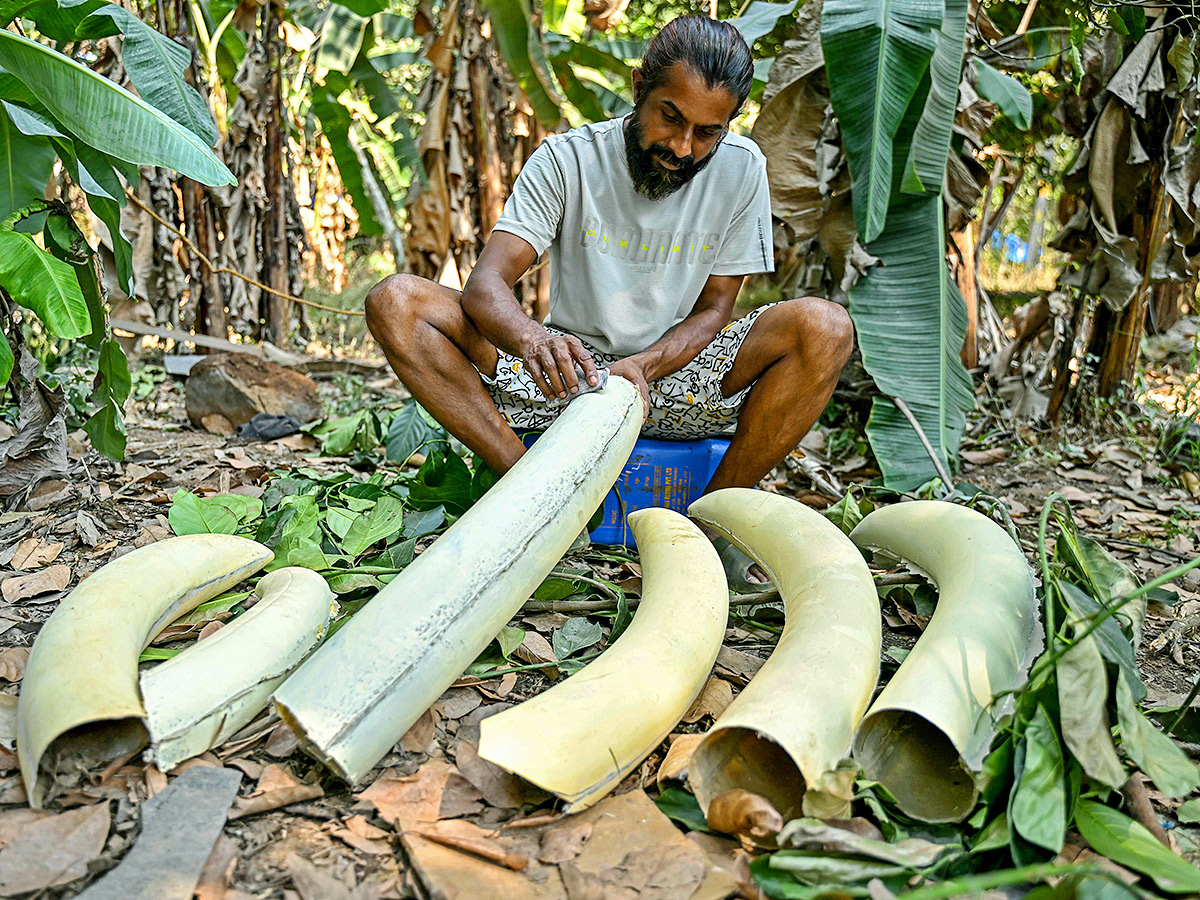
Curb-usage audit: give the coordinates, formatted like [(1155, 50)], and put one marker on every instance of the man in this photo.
[(652, 222)]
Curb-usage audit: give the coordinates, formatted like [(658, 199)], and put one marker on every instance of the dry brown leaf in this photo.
[(282, 742), (1075, 495), (675, 766), (737, 666), (314, 884), (564, 842), (276, 788), (360, 834), (457, 702), (498, 787), (33, 554), (156, 781), (417, 738), (217, 872), (1191, 481), (745, 814), (211, 628), (24, 587), (712, 701), (411, 799), (547, 621), (12, 663), (980, 457), (53, 850), (536, 649)]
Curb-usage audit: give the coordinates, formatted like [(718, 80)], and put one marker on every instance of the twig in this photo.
[(1134, 792), (937, 460), (216, 270)]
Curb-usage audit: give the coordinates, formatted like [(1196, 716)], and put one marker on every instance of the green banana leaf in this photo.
[(1006, 92), (6, 360), (581, 98), (760, 18), (925, 168), (911, 322), (341, 40), (876, 55), (25, 166), (107, 117), (336, 122), (521, 46), (156, 66), (38, 281)]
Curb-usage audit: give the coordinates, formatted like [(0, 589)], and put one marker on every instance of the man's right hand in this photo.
[(550, 359)]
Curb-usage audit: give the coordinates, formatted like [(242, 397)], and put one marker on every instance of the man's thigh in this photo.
[(775, 332)]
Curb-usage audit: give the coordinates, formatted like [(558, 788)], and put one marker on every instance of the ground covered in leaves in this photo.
[(434, 819)]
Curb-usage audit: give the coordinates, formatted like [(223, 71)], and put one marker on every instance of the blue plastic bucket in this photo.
[(668, 474)]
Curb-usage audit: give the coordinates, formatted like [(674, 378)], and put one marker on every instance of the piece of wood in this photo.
[(179, 828), (964, 242)]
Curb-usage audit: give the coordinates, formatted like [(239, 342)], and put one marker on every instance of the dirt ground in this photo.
[(301, 833)]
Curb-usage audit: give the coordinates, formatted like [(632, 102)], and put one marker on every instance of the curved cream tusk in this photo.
[(785, 736), (929, 729), (83, 670), (581, 737), (367, 684), (211, 690)]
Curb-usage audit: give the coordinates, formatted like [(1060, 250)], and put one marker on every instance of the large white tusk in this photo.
[(581, 737), (80, 690), (367, 684), (210, 691), (928, 731), (787, 732)]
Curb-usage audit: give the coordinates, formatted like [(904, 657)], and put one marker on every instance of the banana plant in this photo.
[(52, 106), (893, 71)]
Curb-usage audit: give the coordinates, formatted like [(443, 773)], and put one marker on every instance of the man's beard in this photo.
[(650, 179)]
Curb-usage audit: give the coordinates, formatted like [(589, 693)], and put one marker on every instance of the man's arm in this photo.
[(489, 302), (680, 345)]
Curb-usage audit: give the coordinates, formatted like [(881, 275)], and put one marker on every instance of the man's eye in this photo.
[(709, 132)]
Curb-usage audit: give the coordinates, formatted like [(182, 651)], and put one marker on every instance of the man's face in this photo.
[(673, 130)]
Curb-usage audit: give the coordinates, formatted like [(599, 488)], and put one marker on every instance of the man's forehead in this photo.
[(684, 92)]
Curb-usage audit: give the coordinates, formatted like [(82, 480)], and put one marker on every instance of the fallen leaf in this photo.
[(24, 587), (536, 649), (498, 787), (675, 766), (313, 884), (33, 554), (422, 731), (744, 814), (547, 621), (218, 870), (564, 842), (414, 798), (463, 835), (712, 701), (737, 666), (12, 663), (276, 788), (53, 850), (1075, 495), (457, 702), (282, 742), (982, 457)]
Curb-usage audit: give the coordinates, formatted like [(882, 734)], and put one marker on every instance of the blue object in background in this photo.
[(1015, 249), (669, 474)]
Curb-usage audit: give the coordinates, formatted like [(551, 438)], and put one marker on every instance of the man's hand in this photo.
[(630, 369), (550, 359)]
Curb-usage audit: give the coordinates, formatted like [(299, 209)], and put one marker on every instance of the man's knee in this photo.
[(823, 328), (392, 301)]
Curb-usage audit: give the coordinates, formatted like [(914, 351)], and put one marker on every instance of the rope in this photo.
[(215, 269), (208, 263)]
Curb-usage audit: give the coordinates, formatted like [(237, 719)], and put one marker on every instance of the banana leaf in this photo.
[(760, 18), (925, 168), (336, 122), (911, 322), (38, 281), (342, 37), (521, 46), (876, 54), (25, 165), (106, 116), (156, 66)]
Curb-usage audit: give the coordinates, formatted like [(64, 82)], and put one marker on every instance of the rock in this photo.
[(236, 386)]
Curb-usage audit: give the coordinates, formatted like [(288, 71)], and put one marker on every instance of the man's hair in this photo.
[(714, 50)]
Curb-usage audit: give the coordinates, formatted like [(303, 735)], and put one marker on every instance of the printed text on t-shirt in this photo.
[(649, 245)]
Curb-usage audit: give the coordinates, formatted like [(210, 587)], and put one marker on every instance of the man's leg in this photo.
[(792, 355), (435, 351)]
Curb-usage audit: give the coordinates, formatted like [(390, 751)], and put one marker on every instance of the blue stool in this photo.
[(668, 474)]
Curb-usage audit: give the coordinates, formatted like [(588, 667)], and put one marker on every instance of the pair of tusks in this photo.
[(788, 733), (80, 695)]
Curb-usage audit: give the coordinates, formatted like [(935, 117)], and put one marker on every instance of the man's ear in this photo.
[(637, 84)]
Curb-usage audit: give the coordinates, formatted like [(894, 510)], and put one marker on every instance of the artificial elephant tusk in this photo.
[(786, 735), (80, 690), (581, 737), (928, 731), (211, 690), (367, 684)]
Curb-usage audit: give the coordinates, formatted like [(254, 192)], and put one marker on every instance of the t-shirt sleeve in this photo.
[(748, 248), (534, 209)]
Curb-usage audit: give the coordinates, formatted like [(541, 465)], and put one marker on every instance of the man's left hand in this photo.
[(631, 370)]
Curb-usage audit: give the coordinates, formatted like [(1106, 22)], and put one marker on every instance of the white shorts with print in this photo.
[(684, 405)]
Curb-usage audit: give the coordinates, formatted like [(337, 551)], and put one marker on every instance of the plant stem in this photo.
[(973, 884), (947, 482)]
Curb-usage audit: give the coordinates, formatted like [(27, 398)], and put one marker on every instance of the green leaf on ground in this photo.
[(677, 804), (1083, 710), (574, 635), (190, 514), (1121, 839), (1039, 809), (1153, 752), (379, 523), (408, 432), (510, 639)]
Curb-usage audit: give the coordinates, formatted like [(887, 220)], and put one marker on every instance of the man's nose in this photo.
[(681, 144)]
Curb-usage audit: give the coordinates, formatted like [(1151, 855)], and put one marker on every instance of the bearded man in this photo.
[(652, 222)]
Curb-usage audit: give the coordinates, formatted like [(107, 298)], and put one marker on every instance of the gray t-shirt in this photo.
[(623, 268)]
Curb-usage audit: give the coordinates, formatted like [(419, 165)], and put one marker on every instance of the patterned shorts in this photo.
[(684, 405)]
